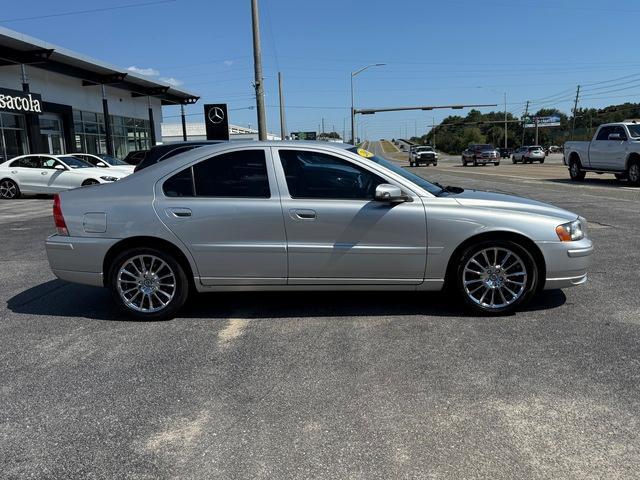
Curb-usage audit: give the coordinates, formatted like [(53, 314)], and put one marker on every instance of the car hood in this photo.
[(501, 201)]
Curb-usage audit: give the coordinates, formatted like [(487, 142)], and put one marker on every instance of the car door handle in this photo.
[(43, 173), (178, 212), (302, 214)]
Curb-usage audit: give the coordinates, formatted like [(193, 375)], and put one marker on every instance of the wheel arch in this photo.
[(522, 240), (575, 156), (146, 242)]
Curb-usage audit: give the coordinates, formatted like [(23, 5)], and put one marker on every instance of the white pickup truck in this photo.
[(615, 148)]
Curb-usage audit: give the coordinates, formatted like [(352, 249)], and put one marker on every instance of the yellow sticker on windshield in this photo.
[(364, 153)]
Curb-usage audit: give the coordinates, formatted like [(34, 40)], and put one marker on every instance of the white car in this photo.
[(105, 161), (48, 174)]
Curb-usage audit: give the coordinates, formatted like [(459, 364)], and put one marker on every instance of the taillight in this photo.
[(58, 218)]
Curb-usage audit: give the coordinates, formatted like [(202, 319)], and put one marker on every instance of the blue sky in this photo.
[(452, 51)]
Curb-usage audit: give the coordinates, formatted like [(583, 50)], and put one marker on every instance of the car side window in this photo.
[(180, 184), (620, 129), (603, 134), (234, 174), (48, 162), (318, 175)]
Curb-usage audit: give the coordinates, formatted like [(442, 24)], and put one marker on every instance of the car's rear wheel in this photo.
[(148, 284), (9, 189), (542, 161), (633, 173), (513, 160), (496, 163), (475, 162), (90, 181), (496, 276), (575, 172)]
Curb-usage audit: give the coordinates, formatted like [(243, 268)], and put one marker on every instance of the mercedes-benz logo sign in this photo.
[(216, 115)]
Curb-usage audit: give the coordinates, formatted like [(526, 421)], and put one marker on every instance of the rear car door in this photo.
[(337, 233), (26, 173), (226, 210)]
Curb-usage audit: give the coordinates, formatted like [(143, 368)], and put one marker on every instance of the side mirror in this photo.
[(101, 165), (386, 192), (59, 167), (615, 136)]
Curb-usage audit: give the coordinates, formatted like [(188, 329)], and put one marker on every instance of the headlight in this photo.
[(572, 231), (107, 178)]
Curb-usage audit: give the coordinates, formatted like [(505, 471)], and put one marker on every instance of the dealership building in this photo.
[(53, 100)]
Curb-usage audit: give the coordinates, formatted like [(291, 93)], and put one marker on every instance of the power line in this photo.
[(80, 12)]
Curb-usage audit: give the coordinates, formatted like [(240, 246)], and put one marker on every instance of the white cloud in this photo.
[(228, 63), (174, 82), (149, 72)]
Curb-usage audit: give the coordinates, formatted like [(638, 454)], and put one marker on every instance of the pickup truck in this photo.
[(422, 154), (615, 148)]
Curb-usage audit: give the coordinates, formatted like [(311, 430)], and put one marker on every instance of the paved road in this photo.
[(325, 385)]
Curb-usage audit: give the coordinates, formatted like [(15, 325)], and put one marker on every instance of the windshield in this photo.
[(634, 130), (537, 147), (112, 160), (73, 162), (484, 147), (421, 182), (424, 149)]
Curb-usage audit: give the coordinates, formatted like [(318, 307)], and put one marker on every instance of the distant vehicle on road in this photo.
[(291, 216), (615, 148), (505, 152), (48, 174), (528, 154), (104, 161), (424, 154), (480, 154)]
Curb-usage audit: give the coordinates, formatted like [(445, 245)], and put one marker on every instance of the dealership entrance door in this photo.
[(51, 136)]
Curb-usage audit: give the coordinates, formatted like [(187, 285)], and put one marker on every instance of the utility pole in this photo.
[(575, 111), (344, 130), (524, 122), (323, 126), (433, 129), (257, 66), (283, 128), (536, 122), (184, 122), (505, 120)]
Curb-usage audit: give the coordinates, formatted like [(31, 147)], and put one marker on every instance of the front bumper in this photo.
[(78, 259), (567, 262)]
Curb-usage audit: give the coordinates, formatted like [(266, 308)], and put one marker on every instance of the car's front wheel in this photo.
[(148, 284), (9, 189), (496, 276), (633, 173), (575, 172)]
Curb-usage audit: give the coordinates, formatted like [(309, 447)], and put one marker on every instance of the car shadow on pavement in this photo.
[(593, 181), (61, 299)]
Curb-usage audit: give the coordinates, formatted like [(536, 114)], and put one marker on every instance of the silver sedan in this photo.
[(307, 216)]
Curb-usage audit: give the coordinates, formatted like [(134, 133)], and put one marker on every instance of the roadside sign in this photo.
[(551, 121), (303, 136)]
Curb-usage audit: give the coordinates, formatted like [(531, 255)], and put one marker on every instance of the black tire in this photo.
[(496, 163), (513, 160), (410, 163), (435, 164), (633, 173), (90, 181), (575, 171), (173, 267), (475, 162), (464, 162), (518, 254), (542, 161), (9, 190)]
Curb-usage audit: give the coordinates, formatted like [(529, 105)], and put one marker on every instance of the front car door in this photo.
[(336, 232), (600, 148), (226, 210), (617, 149)]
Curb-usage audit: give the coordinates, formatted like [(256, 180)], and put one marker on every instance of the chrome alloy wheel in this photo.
[(494, 278), (146, 283), (8, 189)]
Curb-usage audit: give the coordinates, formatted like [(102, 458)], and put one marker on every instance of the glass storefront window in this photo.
[(13, 136)]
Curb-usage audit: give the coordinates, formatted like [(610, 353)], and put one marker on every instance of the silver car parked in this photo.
[(307, 216)]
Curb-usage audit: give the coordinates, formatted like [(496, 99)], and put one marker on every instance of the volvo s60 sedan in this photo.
[(47, 174), (307, 216)]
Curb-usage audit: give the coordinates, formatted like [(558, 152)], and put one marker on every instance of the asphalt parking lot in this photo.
[(326, 385)]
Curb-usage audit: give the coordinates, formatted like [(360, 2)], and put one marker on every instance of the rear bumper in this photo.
[(567, 262), (78, 259)]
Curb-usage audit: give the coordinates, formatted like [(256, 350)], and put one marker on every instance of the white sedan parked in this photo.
[(42, 173), (105, 161)]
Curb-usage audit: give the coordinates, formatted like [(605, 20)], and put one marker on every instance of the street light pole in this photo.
[(353, 112), (505, 120)]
